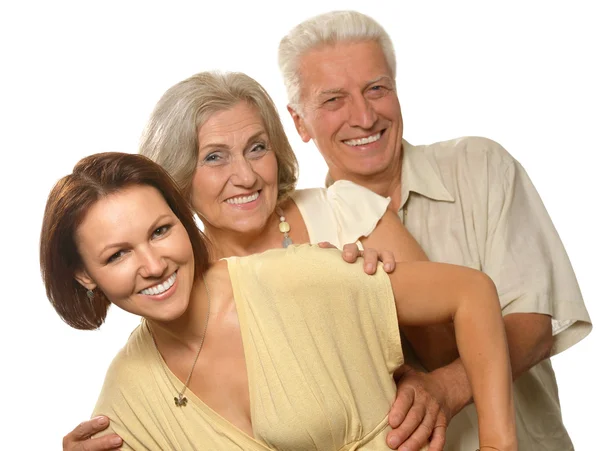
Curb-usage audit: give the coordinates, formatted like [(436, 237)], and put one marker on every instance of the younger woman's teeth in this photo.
[(242, 199), (161, 287), (363, 141)]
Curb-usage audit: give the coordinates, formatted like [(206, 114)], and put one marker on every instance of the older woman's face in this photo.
[(138, 253), (235, 184)]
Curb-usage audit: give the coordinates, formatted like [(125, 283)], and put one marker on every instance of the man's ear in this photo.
[(299, 123), (84, 279)]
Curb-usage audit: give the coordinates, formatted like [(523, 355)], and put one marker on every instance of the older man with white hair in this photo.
[(467, 202)]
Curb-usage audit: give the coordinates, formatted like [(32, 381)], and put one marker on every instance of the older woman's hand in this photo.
[(79, 438), (371, 257)]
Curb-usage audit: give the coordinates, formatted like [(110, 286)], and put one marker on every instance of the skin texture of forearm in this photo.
[(478, 332), (529, 337)]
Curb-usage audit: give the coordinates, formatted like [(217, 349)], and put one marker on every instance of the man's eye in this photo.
[(377, 91)]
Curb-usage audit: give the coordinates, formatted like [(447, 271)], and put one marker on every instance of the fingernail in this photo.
[(116, 441), (394, 442), (102, 421), (370, 267), (387, 266)]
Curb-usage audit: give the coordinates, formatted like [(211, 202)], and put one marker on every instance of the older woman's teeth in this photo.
[(161, 287), (242, 199), (363, 141)]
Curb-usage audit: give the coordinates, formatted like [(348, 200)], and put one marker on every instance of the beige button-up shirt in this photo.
[(468, 202)]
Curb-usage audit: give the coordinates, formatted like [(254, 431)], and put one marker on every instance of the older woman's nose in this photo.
[(243, 173)]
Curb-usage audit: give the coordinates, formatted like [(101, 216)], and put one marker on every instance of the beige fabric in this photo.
[(468, 202), (340, 214), (321, 343)]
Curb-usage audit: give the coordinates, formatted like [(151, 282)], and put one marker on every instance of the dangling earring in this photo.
[(90, 295)]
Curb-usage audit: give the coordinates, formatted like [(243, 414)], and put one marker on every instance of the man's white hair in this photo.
[(328, 29)]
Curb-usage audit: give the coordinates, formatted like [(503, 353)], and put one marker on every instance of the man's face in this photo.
[(350, 109)]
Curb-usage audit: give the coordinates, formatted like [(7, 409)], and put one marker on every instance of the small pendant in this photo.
[(180, 400), (286, 241)]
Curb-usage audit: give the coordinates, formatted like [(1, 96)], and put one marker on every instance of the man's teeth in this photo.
[(161, 287), (242, 199), (363, 141)]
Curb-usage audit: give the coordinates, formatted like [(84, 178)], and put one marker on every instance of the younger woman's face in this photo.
[(137, 252)]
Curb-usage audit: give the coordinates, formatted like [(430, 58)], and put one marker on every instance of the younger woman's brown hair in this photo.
[(94, 178)]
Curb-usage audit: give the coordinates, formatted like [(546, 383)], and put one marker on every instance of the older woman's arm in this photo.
[(434, 292)]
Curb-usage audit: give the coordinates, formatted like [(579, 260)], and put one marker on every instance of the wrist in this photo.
[(453, 378)]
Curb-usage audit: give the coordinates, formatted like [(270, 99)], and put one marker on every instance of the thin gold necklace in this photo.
[(180, 400)]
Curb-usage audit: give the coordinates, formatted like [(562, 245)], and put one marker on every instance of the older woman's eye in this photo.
[(213, 158), (257, 150)]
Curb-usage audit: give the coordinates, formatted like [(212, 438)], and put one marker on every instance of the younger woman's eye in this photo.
[(160, 231), (114, 257)]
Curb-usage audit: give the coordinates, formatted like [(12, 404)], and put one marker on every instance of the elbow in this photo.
[(530, 340)]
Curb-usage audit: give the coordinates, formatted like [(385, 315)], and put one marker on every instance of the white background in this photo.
[(82, 77)]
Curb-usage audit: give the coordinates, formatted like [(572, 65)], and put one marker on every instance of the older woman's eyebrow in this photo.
[(222, 146), (261, 133)]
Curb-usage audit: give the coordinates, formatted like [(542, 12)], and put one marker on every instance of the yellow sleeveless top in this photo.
[(321, 343)]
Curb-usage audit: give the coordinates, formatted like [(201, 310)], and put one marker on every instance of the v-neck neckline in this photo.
[(196, 400)]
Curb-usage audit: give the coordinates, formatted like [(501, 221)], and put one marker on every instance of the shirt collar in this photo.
[(419, 176)]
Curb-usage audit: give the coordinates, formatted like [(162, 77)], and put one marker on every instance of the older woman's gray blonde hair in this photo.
[(327, 29), (171, 135)]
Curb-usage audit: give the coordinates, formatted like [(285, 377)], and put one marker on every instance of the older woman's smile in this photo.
[(243, 199)]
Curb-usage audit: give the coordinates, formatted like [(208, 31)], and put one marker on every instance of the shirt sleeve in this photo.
[(526, 258), (357, 210), (340, 214)]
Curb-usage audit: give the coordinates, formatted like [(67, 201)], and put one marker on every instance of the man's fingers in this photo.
[(326, 245), (388, 260), (371, 258), (350, 252), (420, 437), (401, 406), (438, 439), (412, 421)]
